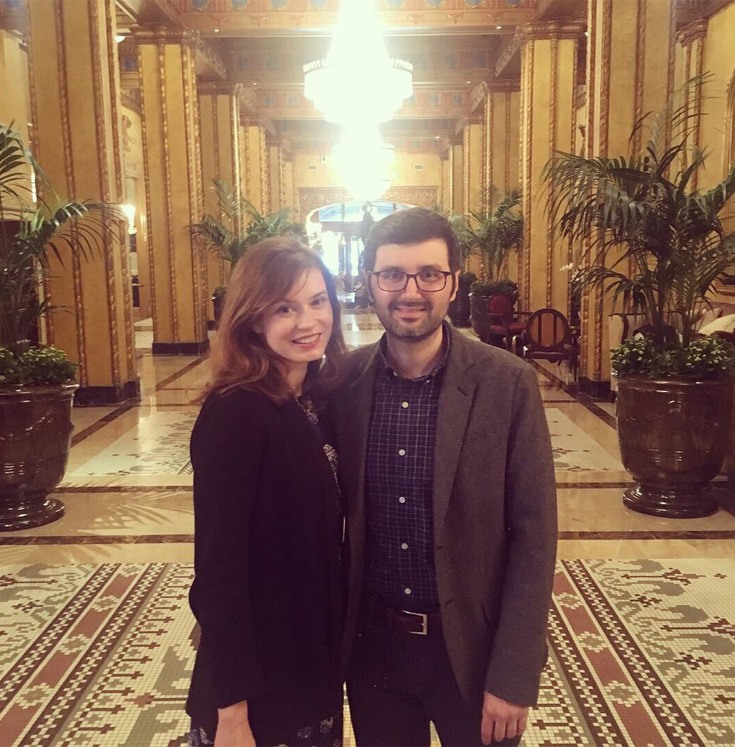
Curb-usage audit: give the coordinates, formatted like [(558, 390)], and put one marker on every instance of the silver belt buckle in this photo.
[(424, 622)]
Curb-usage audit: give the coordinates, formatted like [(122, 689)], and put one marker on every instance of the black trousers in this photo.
[(398, 683)]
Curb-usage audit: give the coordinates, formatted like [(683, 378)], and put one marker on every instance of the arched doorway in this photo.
[(335, 229)]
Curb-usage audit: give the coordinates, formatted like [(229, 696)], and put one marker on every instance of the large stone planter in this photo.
[(459, 309), (479, 315), (35, 433), (674, 436)]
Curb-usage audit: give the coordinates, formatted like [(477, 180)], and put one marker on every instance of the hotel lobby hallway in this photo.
[(96, 637)]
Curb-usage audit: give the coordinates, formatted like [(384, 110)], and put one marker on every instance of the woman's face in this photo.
[(297, 328)]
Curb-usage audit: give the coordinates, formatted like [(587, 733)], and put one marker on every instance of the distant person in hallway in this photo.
[(268, 521), (448, 482)]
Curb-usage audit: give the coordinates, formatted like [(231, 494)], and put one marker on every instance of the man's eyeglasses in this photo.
[(429, 281)]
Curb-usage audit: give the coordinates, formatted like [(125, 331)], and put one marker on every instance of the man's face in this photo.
[(412, 314)]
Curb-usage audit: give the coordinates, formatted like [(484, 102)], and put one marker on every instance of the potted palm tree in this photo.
[(657, 245), (36, 382), (240, 226), (493, 234)]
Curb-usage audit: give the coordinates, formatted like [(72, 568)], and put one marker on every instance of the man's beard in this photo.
[(411, 331)]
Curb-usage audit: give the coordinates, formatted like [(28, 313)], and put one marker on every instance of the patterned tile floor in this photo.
[(95, 633)]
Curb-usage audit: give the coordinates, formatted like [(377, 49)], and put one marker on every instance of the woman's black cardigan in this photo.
[(266, 591)]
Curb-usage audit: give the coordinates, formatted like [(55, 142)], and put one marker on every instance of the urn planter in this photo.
[(674, 435), (459, 309), (35, 434)]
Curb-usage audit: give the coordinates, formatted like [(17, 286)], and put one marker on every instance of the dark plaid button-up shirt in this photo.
[(399, 480)]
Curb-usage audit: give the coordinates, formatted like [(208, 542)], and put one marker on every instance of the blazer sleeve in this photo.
[(519, 647), (227, 447)]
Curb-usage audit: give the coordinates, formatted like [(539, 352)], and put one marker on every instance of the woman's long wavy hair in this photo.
[(240, 356)]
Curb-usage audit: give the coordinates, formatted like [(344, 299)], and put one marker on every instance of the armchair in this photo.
[(549, 337), (505, 324)]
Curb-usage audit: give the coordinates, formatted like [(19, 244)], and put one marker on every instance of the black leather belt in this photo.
[(402, 621)]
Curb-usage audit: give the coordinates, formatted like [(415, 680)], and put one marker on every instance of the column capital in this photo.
[(219, 88), (546, 30), (208, 61), (286, 149), (459, 127), (691, 32), (477, 95)]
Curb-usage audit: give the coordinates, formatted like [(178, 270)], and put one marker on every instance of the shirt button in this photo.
[(404, 405), (401, 452), (404, 546), (401, 500), (407, 591)]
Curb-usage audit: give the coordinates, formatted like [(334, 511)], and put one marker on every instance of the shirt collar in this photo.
[(385, 368)]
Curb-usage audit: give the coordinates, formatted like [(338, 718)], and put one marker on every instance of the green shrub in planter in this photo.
[(39, 366), (704, 359)]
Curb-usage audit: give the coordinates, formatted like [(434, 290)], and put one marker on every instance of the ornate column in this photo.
[(446, 196), (501, 140), (75, 109), (630, 53), (275, 170), (219, 114), (173, 190), (457, 161), (256, 174), (690, 64), (501, 135), (548, 77), (473, 186), (287, 179)]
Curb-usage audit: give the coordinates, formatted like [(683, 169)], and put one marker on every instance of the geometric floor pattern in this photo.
[(101, 655)]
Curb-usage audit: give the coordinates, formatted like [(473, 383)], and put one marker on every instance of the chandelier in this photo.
[(358, 81), (362, 160)]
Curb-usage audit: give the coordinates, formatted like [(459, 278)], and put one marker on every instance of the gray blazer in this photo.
[(494, 503)]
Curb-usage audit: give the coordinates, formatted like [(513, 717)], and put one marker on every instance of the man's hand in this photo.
[(501, 719), (233, 727)]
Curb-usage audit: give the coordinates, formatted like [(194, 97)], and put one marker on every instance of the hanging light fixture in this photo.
[(358, 81), (363, 160)]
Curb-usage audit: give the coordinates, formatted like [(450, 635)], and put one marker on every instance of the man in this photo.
[(447, 474)]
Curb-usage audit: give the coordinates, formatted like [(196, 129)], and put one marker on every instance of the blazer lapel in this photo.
[(352, 429), (455, 404)]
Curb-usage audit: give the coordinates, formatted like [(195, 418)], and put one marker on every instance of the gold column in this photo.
[(76, 138), (548, 77), (287, 180), (275, 170), (691, 64), (219, 113), (473, 152), (502, 136), (630, 53), (501, 143), (446, 175), (449, 178), (472, 173), (457, 159), (256, 181), (173, 190)]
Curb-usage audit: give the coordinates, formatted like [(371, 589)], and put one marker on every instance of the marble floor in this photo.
[(128, 491), (128, 483)]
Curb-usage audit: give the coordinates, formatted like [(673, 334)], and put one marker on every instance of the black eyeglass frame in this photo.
[(415, 276)]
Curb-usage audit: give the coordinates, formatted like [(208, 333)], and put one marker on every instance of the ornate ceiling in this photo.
[(454, 46)]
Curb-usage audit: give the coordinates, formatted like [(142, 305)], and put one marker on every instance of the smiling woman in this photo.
[(268, 522)]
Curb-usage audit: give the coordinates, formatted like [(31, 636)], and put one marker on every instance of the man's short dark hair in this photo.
[(411, 226)]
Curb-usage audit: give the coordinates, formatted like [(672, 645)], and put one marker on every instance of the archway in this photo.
[(336, 229)]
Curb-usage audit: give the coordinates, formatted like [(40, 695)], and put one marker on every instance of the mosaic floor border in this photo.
[(641, 653)]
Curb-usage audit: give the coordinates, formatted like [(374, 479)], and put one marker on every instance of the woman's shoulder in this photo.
[(238, 407)]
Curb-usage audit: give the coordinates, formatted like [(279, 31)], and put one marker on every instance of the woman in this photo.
[(268, 524)]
